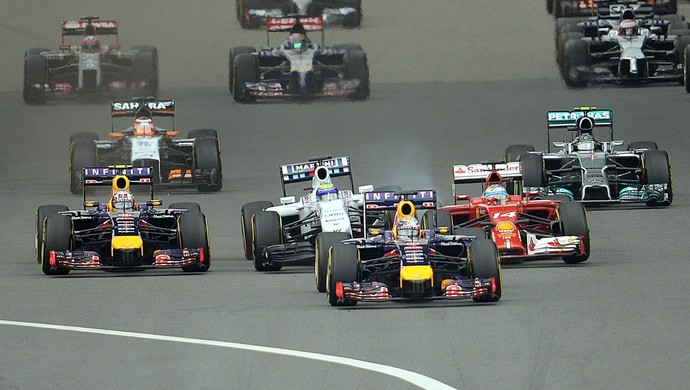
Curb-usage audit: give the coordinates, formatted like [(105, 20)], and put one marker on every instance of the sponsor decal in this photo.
[(128, 106), (572, 116), (81, 24)]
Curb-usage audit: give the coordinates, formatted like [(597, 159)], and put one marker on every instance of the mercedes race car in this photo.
[(574, 8), (293, 232), (191, 162), (253, 13), (121, 234), (522, 228), (593, 171), (88, 69), (409, 261), (298, 68)]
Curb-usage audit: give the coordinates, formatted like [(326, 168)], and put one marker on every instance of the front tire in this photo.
[(344, 267), (657, 170), (35, 74), (246, 214), (574, 223), (246, 70), (192, 228), (41, 214), (57, 236), (483, 258), (266, 231), (324, 242), (358, 69), (207, 158), (82, 154), (533, 174)]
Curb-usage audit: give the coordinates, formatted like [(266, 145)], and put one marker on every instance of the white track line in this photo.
[(412, 377)]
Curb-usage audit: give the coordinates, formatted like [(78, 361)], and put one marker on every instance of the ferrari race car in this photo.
[(121, 234), (522, 228), (253, 13), (298, 67), (87, 69), (574, 8), (408, 262), (191, 162), (294, 231), (630, 49), (589, 170)]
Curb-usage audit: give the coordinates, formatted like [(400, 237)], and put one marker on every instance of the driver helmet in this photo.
[(586, 143), (495, 194), (144, 127), (297, 41), (326, 191), (90, 44), (407, 228), (628, 28), (123, 201)]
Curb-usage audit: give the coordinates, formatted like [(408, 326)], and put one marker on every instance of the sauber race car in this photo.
[(121, 234), (191, 162), (253, 13), (571, 8), (589, 170), (298, 67), (410, 262), (522, 228), (89, 69), (301, 229)]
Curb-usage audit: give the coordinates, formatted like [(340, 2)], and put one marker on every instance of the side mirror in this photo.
[(287, 200), (616, 143), (375, 231), (366, 188), (154, 202), (560, 144), (91, 203), (464, 197)]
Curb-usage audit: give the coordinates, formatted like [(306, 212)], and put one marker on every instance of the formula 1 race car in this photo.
[(298, 67), (574, 8), (408, 262), (191, 162), (522, 228), (293, 231), (253, 13), (88, 69), (589, 170), (627, 50), (121, 234)]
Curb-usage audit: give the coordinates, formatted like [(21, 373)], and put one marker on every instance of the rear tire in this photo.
[(246, 70), (343, 266), (41, 214), (207, 158), (192, 229), (248, 211), (324, 242), (266, 230), (483, 258), (57, 236), (574, 223), (82, 154)]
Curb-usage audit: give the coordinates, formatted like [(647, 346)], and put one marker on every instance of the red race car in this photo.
[(523, 227)]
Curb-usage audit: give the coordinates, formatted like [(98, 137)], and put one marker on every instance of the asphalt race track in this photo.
[(454, 81)]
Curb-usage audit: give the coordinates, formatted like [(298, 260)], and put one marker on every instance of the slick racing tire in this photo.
[(561, 43), (643, 145), (483, 260), (246, 70), (533, 174), (245, 5), (678, 28), (189, 206), (145, 72), (82, 154), (686, 69), (355, 20), (324, 242), (246, 214), (57, 236), (35, 74), (266, 230), (574, 222), (432, 219), (207, 158), (192, 230), (41, 214), (549, 6), (83, 136), (357, 68), (657, 170), (513, 152), (344, 267), (198, 133), (576, 55), (231, 62), (35, 51)]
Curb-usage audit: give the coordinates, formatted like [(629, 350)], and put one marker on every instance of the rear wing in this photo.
[(129, 108), (89, 25), (103, 176), (603, 118), (285, 24), (491, 172), (304, 171), (388, 200)]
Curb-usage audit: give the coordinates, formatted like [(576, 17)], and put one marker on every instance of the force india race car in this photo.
[(298, 67), (589, 170), (121, 234), (295, 230), (522, 228), (191, 162), (574, 8), (253, 13), (409, 263), (88, 69)]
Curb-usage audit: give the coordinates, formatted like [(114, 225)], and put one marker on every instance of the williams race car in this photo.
[(522, 228), (574, 8), (191, 162), (88, 69), (303, 229), (589, 170), (408, 262), (298, 67), (253, 13), (121, 234)]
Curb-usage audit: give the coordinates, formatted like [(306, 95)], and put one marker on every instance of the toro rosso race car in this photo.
[(574, 8), (300, 229), (253, 13), (589, 170), (89, 69), (191, 162), (121, 234), (411, 262), (522, 228), (298, 67)]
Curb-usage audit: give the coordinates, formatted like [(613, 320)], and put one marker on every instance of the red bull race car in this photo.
[(121, 234)]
